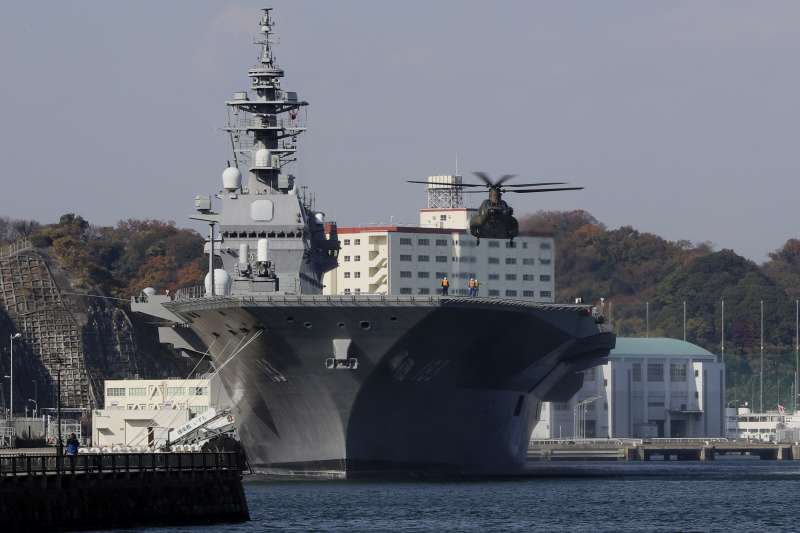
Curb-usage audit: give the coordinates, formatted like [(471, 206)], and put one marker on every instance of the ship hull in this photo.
[(363, 387)]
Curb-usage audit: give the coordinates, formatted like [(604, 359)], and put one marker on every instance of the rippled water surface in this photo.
[(723, 496)]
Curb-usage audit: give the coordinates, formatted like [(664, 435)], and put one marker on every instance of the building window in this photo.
[(423, 275), (357, 242), (405, 273), (494, 292), (423, 258), (347, 275), (440, 275), (137, 391), (527, 277), (441, 242), (356, 258), (544, 261), (545, 246), (636, 372), (511, 244), (511, 277), (494, 260), (347, 242), (528, 261), (424, 242), (545, 294), (200, 391), (405, 257), (405, 290), (115, 391), (524, 244), (424, 291), (466, 259), (677, 372), (346, 258), (655, 372), (494, 277), (405, 241), (544, 277), (442, 217), (494, 244), (441, 259), (356, 275), (696, 373), (511, 293), (347, 291), (511, 260), (528, 294)]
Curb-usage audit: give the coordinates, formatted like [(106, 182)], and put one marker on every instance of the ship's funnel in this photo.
[(261, 251)]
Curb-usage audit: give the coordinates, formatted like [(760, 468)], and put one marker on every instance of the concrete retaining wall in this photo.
[(120, 500)]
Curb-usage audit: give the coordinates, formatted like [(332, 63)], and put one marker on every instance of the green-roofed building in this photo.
[(650, 387)]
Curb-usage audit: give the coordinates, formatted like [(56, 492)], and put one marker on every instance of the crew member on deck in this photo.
[(445, 285)]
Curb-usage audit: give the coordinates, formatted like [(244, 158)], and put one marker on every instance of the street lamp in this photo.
[(12, 337)]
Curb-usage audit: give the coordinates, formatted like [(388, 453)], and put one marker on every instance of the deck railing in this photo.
[(17, 465)]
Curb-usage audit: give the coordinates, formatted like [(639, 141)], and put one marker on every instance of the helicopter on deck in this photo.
[(495, 218)]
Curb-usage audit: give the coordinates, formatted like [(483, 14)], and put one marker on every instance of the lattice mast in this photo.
[(264, 125)]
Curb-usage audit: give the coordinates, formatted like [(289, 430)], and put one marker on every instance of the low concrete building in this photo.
[(651, 387), (139, 412)]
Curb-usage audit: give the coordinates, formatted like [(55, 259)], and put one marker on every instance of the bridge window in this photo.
[(441, 242), (405, 241)]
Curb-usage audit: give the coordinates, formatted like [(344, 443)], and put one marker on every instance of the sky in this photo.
[(679, 118)]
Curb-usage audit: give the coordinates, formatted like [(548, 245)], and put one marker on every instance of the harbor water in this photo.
[(727, 495)]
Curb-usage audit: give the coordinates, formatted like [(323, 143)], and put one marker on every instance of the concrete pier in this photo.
[(108, 491), (664, 449)]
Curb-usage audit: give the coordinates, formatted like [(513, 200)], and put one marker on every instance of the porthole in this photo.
[(307, 325), (365, 325), (341, 325), (289, 319), (393, 318)]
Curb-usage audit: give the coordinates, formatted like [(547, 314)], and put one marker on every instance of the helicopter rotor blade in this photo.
[(504, 178), (540, 184), (484, 178), (454, 185), (546, 190)]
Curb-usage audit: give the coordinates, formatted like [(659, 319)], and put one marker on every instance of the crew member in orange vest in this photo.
[(445, 285)]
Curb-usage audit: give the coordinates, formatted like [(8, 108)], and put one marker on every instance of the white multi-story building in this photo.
[(651, 387), (135, 409), (396, 259)]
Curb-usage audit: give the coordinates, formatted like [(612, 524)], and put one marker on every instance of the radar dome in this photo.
[(262, 158), (222, 282), (231, 179)]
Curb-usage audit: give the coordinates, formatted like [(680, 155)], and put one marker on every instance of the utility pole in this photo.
[(647, 319), (684, 321), (12, 337), (722, 344), (59, 443), (761, 375)]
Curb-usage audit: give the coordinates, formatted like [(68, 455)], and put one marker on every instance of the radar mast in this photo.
[(264, 124)]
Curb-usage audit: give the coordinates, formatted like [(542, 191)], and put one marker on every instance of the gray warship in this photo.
[(364, 384)]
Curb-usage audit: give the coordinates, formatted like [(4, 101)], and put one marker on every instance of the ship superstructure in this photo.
[(268, 229), (355, 384)]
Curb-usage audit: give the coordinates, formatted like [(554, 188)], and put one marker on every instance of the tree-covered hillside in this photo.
[(637, 272)]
